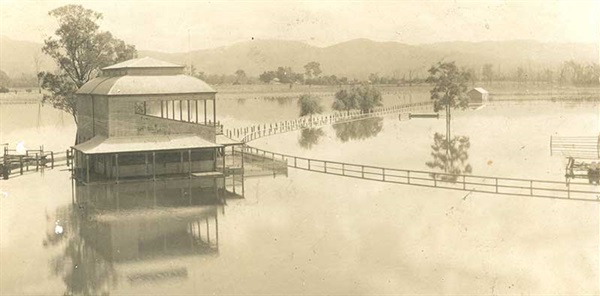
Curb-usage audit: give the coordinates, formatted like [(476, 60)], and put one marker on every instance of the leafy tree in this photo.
[(4, 79), (309, 105), (450, 156), (367, 97), (521, 76), (488, 73), (79, 49), (364, 97), (240, 75), (449, 90), (312, 70), (344, 101), (374, 78), (267, 76)]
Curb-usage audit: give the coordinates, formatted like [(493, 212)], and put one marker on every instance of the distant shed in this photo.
[(478, 96)]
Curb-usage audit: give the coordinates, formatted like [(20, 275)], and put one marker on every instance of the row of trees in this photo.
[(363, 97), (570, 72)]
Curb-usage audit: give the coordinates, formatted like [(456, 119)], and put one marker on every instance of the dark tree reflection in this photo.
[(451, 157), (358, 130), (82, 270), (310, 137)]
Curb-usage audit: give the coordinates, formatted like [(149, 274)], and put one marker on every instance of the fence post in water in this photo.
[(531, 187), (383, 172), (464, 183), (21, 164), (496, 185), (52, 159), (408, 176), (362, 171), (325, 165), (309, 164), (37, 162)]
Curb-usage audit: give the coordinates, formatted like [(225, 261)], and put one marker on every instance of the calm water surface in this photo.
[(308, 233)]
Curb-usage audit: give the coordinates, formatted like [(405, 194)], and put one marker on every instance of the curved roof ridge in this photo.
[(145, 62)]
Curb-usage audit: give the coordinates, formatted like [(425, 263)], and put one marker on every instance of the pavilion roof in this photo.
[(145, 85), (103, 144), (145, 62)]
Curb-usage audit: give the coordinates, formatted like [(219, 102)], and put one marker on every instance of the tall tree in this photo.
[(240, 75), (312, 70), (80, 50), (488, 73), (449, 89)]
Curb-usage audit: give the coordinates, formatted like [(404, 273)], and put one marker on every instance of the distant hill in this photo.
[(354, 59), (17, 57)]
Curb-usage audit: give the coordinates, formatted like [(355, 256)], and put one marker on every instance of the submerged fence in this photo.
[(470, 183), (254, 132)]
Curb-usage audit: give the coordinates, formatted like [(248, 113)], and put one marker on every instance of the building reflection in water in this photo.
[(451, 157), (358, 130), (138, 232), (310, 137)]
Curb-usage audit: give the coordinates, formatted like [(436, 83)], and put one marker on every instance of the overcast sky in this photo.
[(164, 25)]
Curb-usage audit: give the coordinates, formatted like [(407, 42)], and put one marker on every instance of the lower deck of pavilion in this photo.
[(124, 159)]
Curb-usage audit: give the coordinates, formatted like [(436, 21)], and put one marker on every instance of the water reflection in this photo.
[(135, 232), (142, 232), (358, 130), (451, 157), (310, 137)]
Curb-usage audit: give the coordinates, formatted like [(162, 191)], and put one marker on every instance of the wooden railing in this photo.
[(470, 183), (254, 132)]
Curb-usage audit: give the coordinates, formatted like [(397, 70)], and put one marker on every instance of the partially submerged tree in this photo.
[(309, 105), (80, 50), (364, 97), (344, 101), (368, 97), (449, 89)]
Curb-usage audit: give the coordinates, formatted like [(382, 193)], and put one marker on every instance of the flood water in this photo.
[(303, 232)]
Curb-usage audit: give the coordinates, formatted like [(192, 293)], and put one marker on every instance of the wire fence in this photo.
[(471, 183)]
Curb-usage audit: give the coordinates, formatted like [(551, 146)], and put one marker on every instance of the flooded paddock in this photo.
[(301, 232)]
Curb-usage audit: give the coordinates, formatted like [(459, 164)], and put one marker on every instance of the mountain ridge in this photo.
[(355, 58)]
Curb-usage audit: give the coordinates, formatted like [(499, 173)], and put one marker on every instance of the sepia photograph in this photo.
[(296, 147)]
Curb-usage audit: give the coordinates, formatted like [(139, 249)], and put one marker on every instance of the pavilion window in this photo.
[(131, 159), (168, 157), (202, 155)]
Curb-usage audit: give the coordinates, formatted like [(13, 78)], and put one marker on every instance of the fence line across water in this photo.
[(470, 183), (247, 134)]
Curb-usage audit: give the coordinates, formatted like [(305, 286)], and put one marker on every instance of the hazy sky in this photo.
[(164, 25)]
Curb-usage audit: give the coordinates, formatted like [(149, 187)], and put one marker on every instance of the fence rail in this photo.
[(471, 183), (254, 132)]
